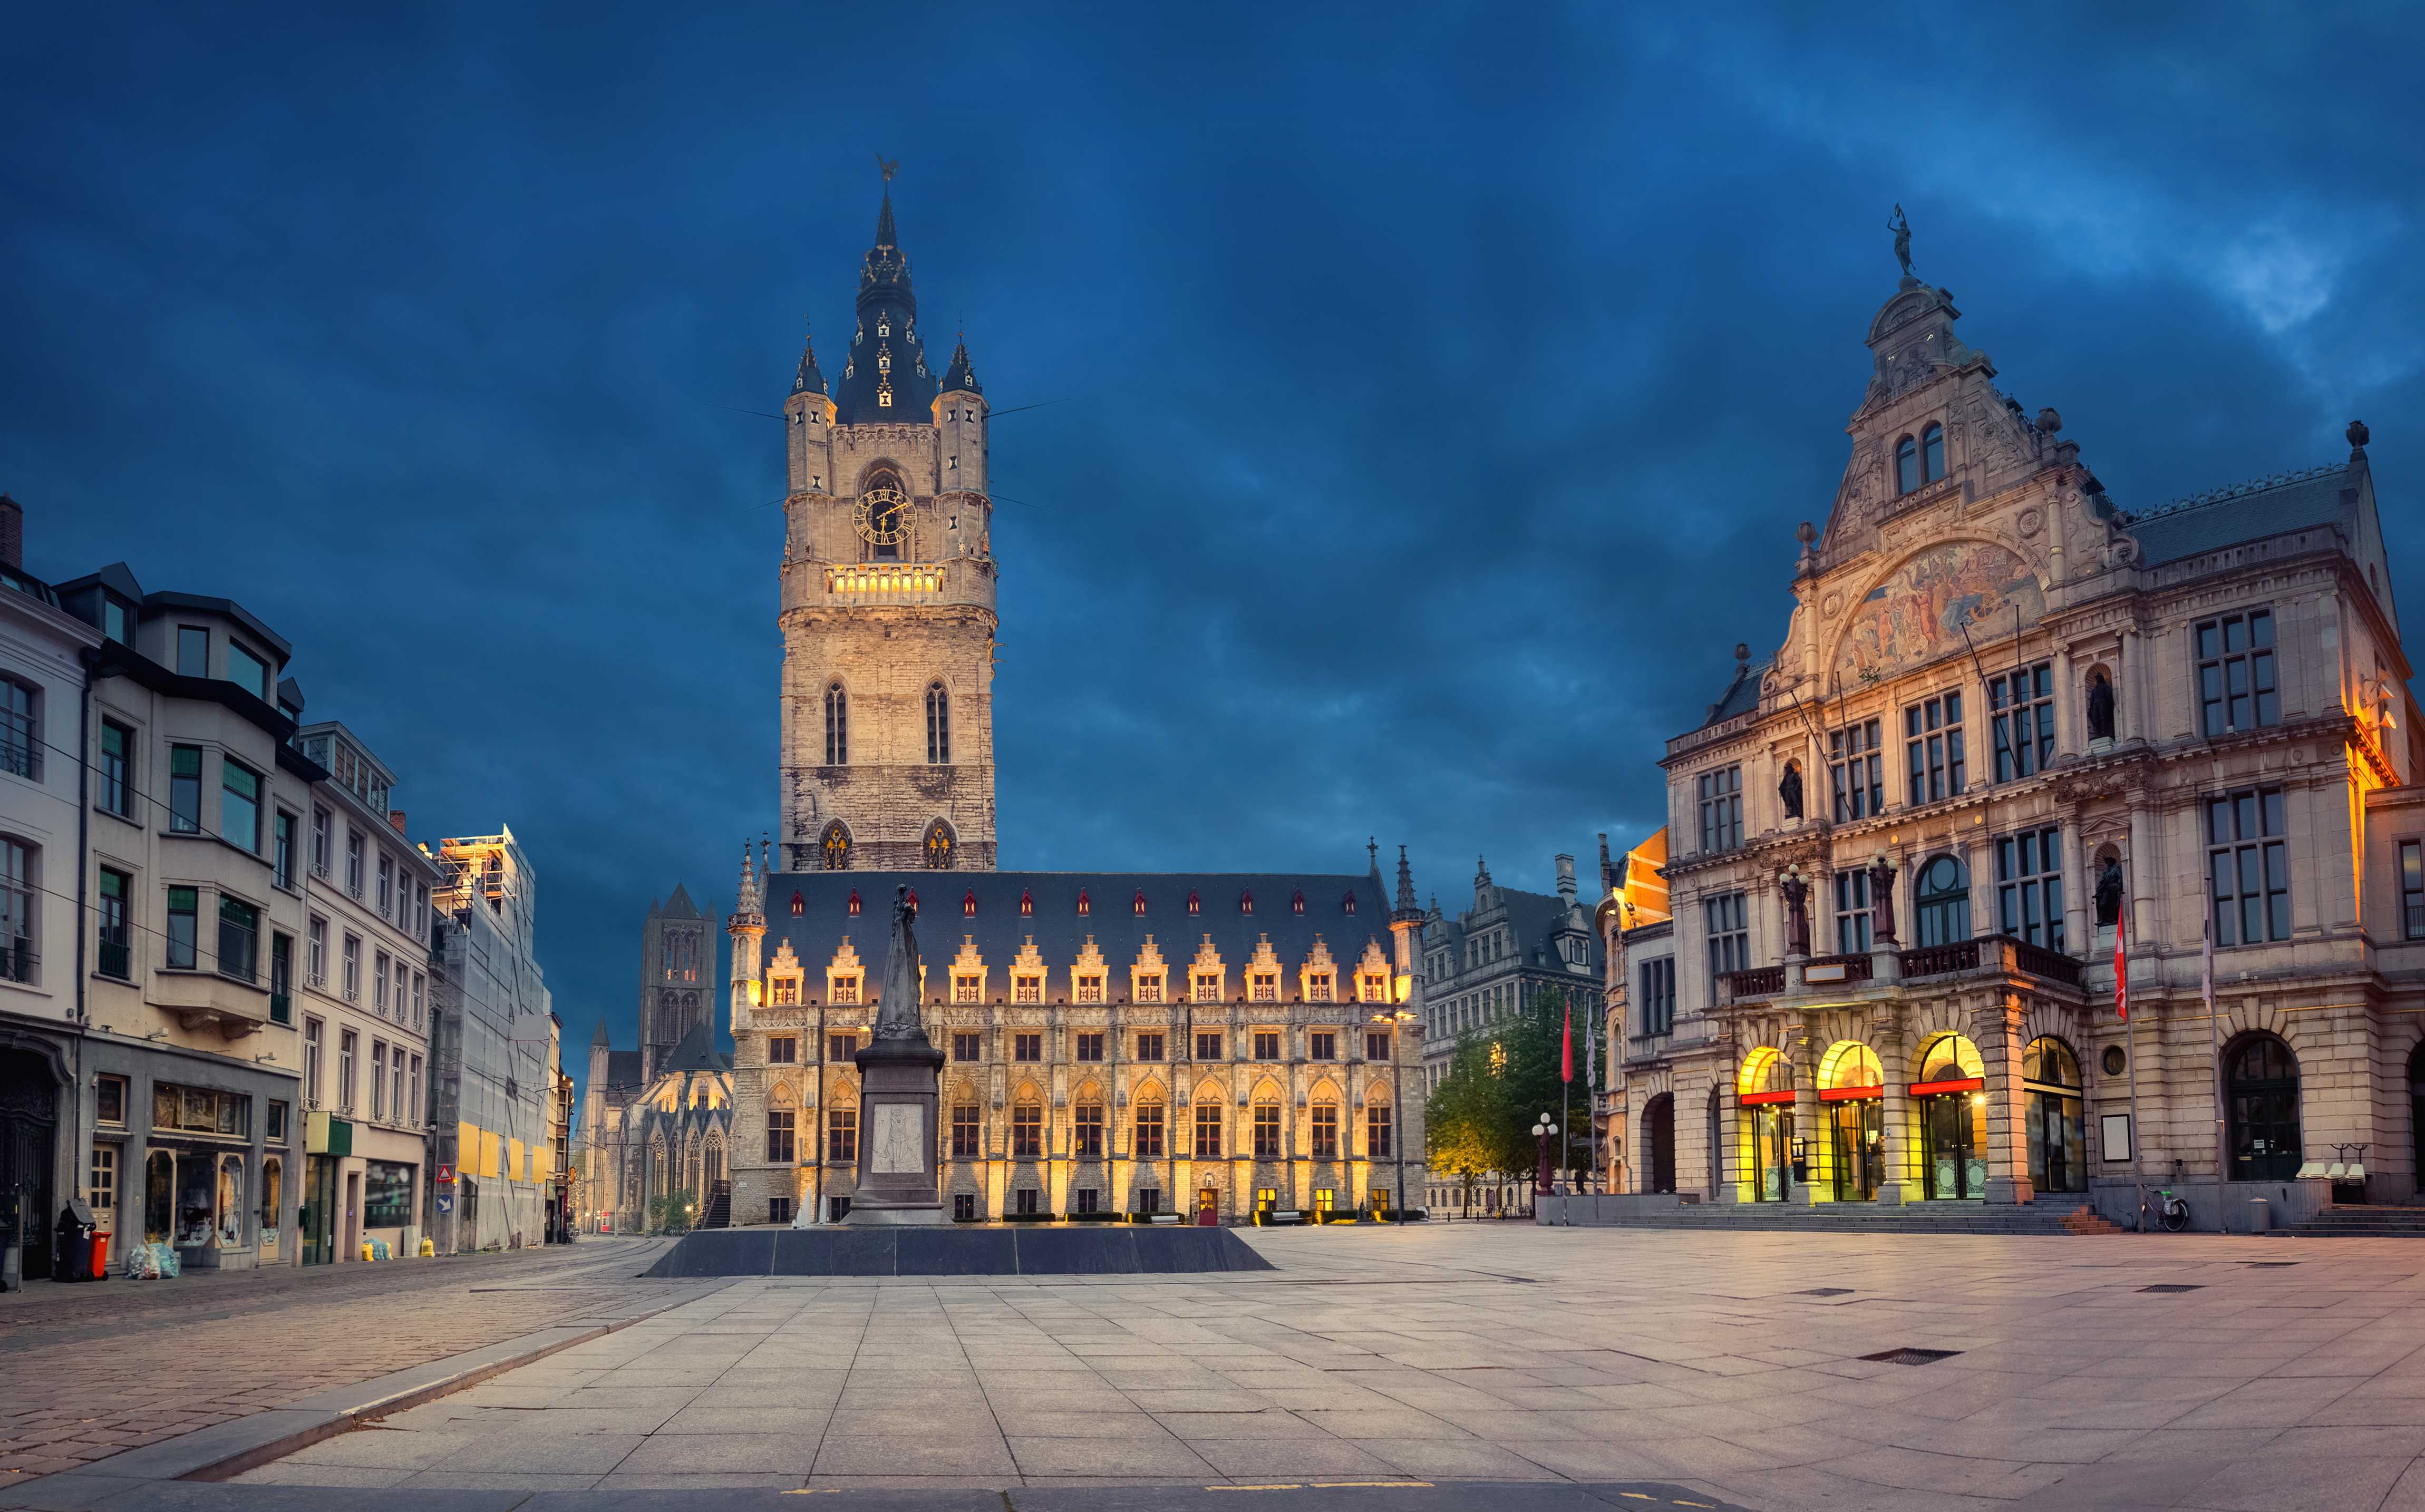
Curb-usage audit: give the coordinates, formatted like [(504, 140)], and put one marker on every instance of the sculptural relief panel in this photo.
[(1917, 613)]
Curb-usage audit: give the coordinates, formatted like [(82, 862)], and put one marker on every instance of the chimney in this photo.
[(12, 534), (1566, 880), (396, 817)]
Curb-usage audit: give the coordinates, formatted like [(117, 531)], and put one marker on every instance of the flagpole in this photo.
[(1566, 1107), (2214, 1071), (2130, 1032)]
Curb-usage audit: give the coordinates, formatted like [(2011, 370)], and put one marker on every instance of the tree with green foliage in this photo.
[(1478, 1121), (673, 1213)]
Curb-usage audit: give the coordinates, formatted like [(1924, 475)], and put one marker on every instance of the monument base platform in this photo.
[(962, 1249), (922, 1216)]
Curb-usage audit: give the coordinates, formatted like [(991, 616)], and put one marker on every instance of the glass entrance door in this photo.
[(319, 1208), (1955, 1124), (1857, 1140), (1772, 1152)]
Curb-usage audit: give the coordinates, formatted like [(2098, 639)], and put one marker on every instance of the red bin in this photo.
[(100, 1270)]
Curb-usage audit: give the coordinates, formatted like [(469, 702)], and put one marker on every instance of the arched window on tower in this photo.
[(837, 726), (938, 725), (1932, 453), (942, 846), (1907, 465), (833, 851)]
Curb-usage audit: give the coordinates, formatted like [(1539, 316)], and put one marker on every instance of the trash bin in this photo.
[(73, 1253), (2260, 1215), (101, 1254)]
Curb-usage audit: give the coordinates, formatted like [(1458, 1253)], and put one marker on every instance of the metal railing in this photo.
[(18, 960), (116, 959), (1760, 981)]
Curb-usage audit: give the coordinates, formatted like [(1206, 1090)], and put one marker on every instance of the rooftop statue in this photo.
[(1902, 229)]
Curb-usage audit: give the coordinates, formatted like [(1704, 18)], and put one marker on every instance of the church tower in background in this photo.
[(888, 597)]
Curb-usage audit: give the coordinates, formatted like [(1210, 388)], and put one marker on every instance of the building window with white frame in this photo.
[(20, 953), (1659, 995), (353, 860), (2248, 866), (1855, 923), (2237, 683), (1725, 921), (1719, 795), (2022, 706), (21, 729), (2029, 886), (1857, 770), (312, 1032), (378, 982), (319, 840), (352, 965), (1932, 743), (386, 885), (315, 951)]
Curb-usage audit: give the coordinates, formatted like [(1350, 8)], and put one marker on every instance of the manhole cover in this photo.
[(1826, 1291), (2171, 1286), (1911, 1357)]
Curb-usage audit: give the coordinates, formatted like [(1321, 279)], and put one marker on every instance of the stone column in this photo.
[(1808, 1111), (1900, 1182), (1996, 1032)]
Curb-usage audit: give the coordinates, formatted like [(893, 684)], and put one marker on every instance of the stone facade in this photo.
[(1998, 689), (888, 600), (1117, 1042), (677, 978)]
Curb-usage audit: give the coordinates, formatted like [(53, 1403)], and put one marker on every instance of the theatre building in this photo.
[(2010, 715)]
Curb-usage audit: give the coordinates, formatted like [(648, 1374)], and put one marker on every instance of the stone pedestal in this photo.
[(900, 1097)]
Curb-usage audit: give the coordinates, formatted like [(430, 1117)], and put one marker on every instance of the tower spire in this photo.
[(808, 379)]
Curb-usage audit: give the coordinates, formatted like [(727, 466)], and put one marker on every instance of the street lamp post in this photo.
[(1543, 1131)]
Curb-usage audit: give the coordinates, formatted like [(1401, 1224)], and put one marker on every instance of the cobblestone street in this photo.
[(86, 1371)]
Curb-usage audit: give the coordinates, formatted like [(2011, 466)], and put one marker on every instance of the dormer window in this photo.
[(1347, 904), (799, 904), (1026, 904), (884, 327), (1296, 903), (1246, 901), (854, 903), (1027, 990), (969, 905), (1195, 905), (1085, 906), (1140, 902)]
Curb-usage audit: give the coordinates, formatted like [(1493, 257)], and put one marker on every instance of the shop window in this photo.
[(159, 1197), (387, 1194)]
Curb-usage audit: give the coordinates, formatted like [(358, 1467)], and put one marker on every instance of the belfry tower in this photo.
[(888, 601)]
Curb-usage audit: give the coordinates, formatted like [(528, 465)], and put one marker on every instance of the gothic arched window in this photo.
[(938, 725), (942, 848), (837, 726), (833, 851), (1907, 465), (1932, 453)]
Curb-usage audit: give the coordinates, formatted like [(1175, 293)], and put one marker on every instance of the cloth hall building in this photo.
[(1117, 1042), (2009, 717)]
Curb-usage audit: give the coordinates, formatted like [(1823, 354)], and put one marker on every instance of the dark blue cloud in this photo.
[(1439, 389)]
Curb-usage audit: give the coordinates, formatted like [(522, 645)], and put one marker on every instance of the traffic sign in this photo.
[(445, 1203)]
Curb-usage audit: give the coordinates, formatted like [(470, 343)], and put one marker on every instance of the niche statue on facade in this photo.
[(2100, 706), (1789, 791), (2109, 893)]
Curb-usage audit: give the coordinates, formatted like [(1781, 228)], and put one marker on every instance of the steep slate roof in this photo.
[(1741, 695), (680, 905), (1060, 932), (808, 379), (960, 377), (2249, 511), (697, 1052), (623, 1068)]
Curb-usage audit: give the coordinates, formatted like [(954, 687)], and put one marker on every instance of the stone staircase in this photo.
[(2045, 1215), (2345, 1222), (720, 1207)]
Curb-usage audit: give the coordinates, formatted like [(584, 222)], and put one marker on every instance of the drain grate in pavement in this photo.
[(2172, 1286), (1911, 1357), (1826, 1291)]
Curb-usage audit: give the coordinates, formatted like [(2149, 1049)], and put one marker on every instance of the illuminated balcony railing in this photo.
[(885, 578)]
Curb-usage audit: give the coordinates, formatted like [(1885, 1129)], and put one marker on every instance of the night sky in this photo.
[(1430, 394)]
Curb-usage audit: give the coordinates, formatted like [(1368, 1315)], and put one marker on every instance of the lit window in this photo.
[(1027, 989), (1208, 987)]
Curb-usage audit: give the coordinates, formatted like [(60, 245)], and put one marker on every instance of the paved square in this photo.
[(2289, 1377)]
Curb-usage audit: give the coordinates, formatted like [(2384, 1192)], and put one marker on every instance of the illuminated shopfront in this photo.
[(1852, 1090), (1951, 1099), (2058, 1141), (1765, 1090)]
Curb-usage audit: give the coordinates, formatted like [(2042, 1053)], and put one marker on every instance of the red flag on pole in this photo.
[(2121, 981), (1566, 1045)]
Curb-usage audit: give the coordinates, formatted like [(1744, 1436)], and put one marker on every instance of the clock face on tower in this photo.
[(882, 515)]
